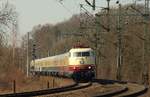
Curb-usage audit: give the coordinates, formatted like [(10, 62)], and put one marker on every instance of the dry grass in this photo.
[(28, 84)]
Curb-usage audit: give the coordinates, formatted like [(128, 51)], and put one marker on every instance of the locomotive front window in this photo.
[(84, 54), (81, 54)]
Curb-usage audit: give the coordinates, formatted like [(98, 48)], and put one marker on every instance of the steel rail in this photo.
[(135, 93), (40, 92), (120, 92), (112, 93), (72, 87)]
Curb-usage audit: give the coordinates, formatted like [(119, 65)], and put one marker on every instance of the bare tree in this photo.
[(8, 21), (8, 17)]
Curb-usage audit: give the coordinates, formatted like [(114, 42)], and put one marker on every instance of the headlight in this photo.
[(89, 67), (81, 62)]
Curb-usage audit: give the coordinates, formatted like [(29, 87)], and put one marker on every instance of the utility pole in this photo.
[(146, 43), (119, 46), (84, 25), (28, 55), (98, 38), (92, 5), (99, 41), (14, 44), (14, 39), (108, 15)]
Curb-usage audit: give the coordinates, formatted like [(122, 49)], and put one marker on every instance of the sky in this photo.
[(34, 12)]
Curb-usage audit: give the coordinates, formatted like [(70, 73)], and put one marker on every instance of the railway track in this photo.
[(96, 88), (127, 90), (90, 91), (105, 88), (133, 90), (74, 86)]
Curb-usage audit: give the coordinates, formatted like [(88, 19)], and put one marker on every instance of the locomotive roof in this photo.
[(80, 49)]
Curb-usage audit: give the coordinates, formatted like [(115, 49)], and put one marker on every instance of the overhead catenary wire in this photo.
[(68, 10), (72, 33)]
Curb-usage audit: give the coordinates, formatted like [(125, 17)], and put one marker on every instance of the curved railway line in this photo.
[(128, 89), (74, 86), (96, 88)]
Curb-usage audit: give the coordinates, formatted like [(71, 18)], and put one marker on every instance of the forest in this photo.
[(99, 31)]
